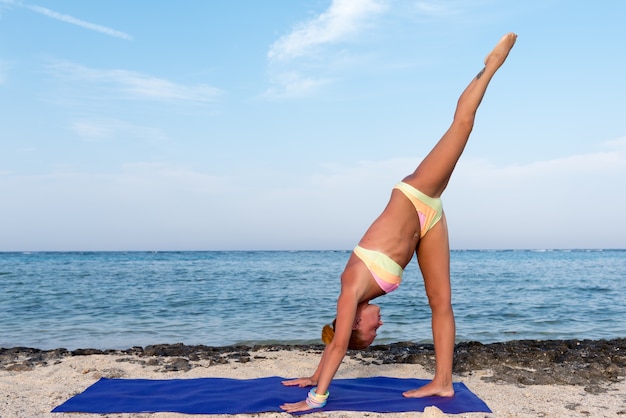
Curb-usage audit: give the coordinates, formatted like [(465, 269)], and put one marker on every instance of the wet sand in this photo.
[(516, 379)]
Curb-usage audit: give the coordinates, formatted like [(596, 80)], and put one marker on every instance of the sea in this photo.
[(118, 300)]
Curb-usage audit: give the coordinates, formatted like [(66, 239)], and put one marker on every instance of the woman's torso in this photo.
[(395, 232)]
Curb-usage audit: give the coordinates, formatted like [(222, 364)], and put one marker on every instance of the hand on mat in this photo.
[(301, 382), (295, 407)]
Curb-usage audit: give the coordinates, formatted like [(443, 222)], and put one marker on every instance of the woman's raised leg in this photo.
[(432, 175), (433, 250)]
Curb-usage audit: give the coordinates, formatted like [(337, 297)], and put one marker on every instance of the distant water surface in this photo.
[(122, 299)]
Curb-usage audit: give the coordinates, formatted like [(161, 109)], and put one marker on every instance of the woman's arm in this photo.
[(308, 381), (333, 353)]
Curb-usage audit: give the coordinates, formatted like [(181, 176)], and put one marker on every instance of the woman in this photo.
[(413, 221)]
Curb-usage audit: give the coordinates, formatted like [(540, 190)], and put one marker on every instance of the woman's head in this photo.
[(366, 322)]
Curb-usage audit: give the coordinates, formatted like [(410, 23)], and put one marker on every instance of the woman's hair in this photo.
[(355, 343)]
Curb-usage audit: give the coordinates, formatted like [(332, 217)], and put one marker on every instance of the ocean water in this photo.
[(124, 299)]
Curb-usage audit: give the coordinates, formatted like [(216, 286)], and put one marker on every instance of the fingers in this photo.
[(296, 382), (295, 407), (298, 406)]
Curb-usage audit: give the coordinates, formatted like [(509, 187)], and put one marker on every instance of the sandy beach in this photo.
[(516, 379)]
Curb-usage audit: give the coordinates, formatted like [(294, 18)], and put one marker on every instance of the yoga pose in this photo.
[(413, 221)]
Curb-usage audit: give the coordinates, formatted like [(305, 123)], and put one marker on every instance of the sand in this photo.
[(33, 388)]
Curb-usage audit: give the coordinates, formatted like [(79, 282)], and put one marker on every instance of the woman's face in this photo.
[(368, 319)]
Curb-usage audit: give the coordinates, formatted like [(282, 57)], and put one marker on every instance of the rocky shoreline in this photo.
[(588, 363)]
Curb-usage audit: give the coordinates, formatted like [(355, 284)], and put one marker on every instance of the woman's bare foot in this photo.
[(498, 55), (430, 389)]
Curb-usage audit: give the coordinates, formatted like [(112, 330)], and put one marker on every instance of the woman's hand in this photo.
[(301, 382), (295, 407)]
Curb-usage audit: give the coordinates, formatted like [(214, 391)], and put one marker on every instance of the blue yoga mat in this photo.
[(234, 396)]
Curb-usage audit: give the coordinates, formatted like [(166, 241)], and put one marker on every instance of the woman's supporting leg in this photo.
[(433, 256), (432, 175)]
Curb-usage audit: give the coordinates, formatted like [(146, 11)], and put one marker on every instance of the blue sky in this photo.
[(278, 124)]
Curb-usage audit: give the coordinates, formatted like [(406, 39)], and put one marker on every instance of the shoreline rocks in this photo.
[(588, 363)]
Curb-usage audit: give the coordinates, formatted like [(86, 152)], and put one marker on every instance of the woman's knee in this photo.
[(439, 301), (463, 123)]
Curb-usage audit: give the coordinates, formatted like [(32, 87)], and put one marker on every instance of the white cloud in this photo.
[(552, 172), (293, 84), (436, 8), (293, 57), (106, 129), (344, 18), (618, 144), (568, 202), (134, 85), (7, 4), (141, 206), (74, 21)]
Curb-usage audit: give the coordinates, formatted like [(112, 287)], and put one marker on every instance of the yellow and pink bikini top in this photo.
[(386, 272)]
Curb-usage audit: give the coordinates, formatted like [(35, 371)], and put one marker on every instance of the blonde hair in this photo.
[(355, 343)]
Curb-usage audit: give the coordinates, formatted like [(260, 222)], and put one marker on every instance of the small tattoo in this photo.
[(480, 73)]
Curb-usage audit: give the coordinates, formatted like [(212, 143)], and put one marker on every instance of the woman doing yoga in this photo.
[(412, 222)]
